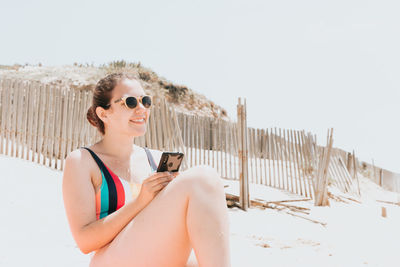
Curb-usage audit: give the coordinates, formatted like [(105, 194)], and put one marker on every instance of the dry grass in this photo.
[(84, 76)]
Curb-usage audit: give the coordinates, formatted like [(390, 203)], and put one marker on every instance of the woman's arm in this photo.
[(79, 201)]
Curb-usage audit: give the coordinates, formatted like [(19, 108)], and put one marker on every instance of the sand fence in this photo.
[(43, 123)]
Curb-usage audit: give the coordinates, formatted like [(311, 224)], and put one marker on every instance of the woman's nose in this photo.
[(140, 108)]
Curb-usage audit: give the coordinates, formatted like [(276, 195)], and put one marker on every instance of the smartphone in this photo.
[(170, 162)]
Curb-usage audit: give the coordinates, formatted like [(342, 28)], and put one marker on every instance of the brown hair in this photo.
[(102, 95)]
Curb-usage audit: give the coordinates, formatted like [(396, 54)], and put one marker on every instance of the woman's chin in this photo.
[(138, 131)]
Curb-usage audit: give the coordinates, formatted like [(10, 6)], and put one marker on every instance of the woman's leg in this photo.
[(189, 212)]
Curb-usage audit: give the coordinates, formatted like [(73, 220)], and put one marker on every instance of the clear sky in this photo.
[(306, 64)]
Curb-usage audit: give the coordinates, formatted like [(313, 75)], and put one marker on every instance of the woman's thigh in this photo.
[(157, 236)]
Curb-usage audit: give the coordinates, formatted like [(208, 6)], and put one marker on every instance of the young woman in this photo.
[(169, 215)]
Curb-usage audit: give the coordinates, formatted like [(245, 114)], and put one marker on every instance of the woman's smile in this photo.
[(141, 120)]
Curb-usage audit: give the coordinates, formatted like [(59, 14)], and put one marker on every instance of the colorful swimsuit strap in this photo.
[(150, 159), (112, 188)]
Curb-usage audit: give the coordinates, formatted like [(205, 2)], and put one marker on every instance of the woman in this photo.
[(170, 215)]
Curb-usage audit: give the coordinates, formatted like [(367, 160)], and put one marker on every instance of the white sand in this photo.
[(34, 229)]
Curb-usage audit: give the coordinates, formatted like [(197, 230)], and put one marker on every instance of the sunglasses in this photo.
[(132, 102)]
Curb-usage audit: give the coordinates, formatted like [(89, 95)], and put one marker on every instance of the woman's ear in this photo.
[(102, 114)]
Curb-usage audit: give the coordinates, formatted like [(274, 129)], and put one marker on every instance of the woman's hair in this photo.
[(102, 95)]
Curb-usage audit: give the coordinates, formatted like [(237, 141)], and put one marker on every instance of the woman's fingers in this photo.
[(158, 178), (162, 181)]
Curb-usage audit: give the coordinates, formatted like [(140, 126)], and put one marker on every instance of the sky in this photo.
[(305, 65)]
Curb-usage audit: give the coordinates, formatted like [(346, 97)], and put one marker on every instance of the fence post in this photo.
[(321, 188), (243, 155)]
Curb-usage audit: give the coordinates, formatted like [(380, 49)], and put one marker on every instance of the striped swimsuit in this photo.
[(112, 193)]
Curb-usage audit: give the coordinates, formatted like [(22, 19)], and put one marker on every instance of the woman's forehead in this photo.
[(128, 87)]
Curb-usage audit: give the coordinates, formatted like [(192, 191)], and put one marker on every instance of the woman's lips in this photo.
[(138, 121)]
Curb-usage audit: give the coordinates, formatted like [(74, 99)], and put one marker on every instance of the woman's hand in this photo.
[(152, 185)]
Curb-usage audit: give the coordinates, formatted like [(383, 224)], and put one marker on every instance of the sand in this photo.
[(34, 230)]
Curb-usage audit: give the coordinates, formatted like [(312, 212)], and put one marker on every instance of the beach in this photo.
[(35, 231)]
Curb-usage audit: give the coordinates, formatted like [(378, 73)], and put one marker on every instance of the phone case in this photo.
[(170, 162)]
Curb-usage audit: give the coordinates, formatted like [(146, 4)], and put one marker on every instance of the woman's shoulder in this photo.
[(79, 157), (79, 169), (78, 154)]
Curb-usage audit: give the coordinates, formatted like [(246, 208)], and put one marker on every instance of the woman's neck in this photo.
[(117, 146)]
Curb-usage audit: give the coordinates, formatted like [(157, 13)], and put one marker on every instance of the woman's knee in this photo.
[(204, 177)]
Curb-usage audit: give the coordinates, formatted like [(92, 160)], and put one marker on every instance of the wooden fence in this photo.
[(282, 158), (387, 179), (44, 123)]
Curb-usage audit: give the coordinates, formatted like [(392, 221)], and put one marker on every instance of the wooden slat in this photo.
[(304, 166), (39, 124), (14, 121), (307, 154), (194, 140), (276, 159), (299, 161), (47, 122), (71, 115), (52, 125), (230, 150), (5, 116), (81, 118), (238, 156), (64, 117), (173, 135), (280, 146), (291, 162), (256, 156), (209, 141), (29, 124), (258, 145), (271, 163), (19, 111), (24, 120), (189, 138), (76, 119), (250, 156), (159, 131), (202, 139), (88, 126), (214, 143), (217, 143), (58, 127), (36, 112), (269, 154), (13, 118), (263, 158), (224, 147), (3, 91), (296, 165), (162, 131), (8, 117), (285, 158), (153, 133)]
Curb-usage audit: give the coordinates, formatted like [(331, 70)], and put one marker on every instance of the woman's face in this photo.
[(122, 119)]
